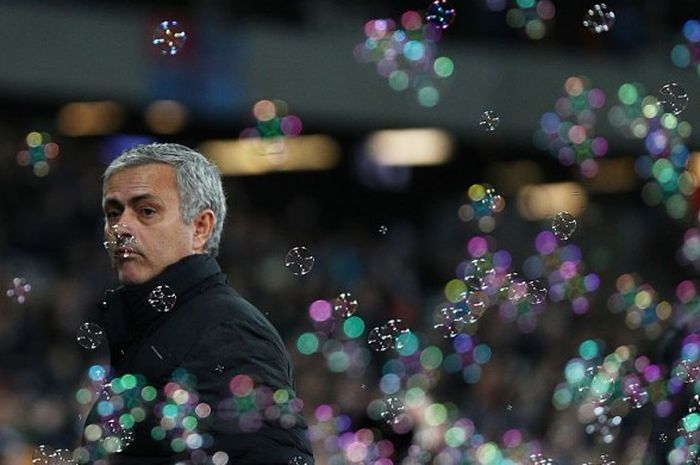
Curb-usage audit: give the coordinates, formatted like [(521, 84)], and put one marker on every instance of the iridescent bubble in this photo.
[(298, 460), (536, 292), (563, 225), (20, 289), (599, 18), (518, 291), (169, 37), (378, 340), (393, 408), (489, 121), (440, 13), (299, 260), (344, 306), (41, 454), (673, 98), (449, 320), (162, 298), (636, 396), (90, 335)]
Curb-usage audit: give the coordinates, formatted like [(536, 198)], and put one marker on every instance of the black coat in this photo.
[(209, 375)]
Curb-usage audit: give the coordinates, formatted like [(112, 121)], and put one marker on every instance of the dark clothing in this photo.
[(220, 369)]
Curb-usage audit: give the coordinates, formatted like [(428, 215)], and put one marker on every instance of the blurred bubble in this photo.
[(489, 121), (606, 460), (298, 460), (636, 396), (539, 459), (392, 410), (383, 230), (440, 13), (475, 303), (20, 289), (90, 335), (687, 371), (41, 454), (299, 260), (344, 306), (605, 426), (663, 437), (220, 458), (162, 298), (599, 18), (563, 225), (673, 98), (169, 37), (219, 369), (536, 292)]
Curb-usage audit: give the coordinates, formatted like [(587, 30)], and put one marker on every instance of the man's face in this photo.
[(143, 202)]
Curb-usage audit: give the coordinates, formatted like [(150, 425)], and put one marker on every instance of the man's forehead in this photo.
[(142, 181)]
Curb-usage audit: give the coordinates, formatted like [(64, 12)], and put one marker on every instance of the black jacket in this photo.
[(210, 375)]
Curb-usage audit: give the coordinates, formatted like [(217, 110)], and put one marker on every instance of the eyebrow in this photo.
[(133, 200)]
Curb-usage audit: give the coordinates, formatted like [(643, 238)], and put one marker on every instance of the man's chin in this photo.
[(129, 273)]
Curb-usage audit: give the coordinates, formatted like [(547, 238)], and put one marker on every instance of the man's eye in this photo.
[(148, 211), (112, 214)]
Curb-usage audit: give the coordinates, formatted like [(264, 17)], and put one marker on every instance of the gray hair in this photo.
[(198, 182)]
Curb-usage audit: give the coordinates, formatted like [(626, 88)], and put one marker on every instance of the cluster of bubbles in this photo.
[(169, 37), (532, 16), (563, 225), (483, 204), (686, 448), (407, 55), (562, 267), (273, 125), (606, 388), (119, 242), (664, 166), (568, 133), (392, 334), (640, 304), (38, 152), (162, 298), (19, 290), (599, 18), (489, 121), (299, 260), (688, 54)]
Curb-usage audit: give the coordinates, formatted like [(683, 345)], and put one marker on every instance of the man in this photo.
[(198, 375)]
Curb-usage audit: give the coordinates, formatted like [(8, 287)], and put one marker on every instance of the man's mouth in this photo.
[(123, 253)]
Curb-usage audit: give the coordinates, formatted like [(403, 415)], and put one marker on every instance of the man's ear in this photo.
[(203, 229)]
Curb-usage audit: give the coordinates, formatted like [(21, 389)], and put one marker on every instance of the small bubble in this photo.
[(563, 225), (536, 292), (383, 230), (169, 37), (606, 460), (599, 18), (393, 409), (119, 241), (344, 306), (162, 298), (42, 454), (440, 13), (489, 121), (298, 460), (673, 98), (90, 335), (475, 302), (449, 321), (378, 340), (299, 260), (397, 331), (20, 289), (219, 369), (663, 437), (61, 457), (509, 407)]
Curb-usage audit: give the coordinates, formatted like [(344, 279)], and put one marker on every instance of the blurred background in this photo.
[(421, 156)]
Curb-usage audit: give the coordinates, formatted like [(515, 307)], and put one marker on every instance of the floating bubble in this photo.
[(694, 404), (687, 371), (397, 330), (606, 460), (119, 242), (599, 18), (489, 121), (636, 396), (42, 454), (563, 225), (378, 340), (440, 13), (298, 460), (518, 291), (663, 437), (539, 459), (476, 306), (61, 457), (392, 410), (383, 230), (449, 321), (162, 298), (673, 98), (344, 306), (605, 427), (169, 37), (299, 260), (90, 335), (220, 458), (219, 369), (536, 292), (20, 289), (602, 387)]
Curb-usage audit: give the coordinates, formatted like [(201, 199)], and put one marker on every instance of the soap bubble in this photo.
[(606, 460), (344, 306), (42, 454), (599, 18), (162, 298), (687, 371), (489, 121), (378, 340), (393, 408), (119, 241), (383, 230), (397, 330), (169, 37), (475, 303), (90, 335), (673, 98), (449, 320), (605, 426), (536, 292), (299, 260), (298, 460), (563, 225), (440, 13), (20, 289)]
